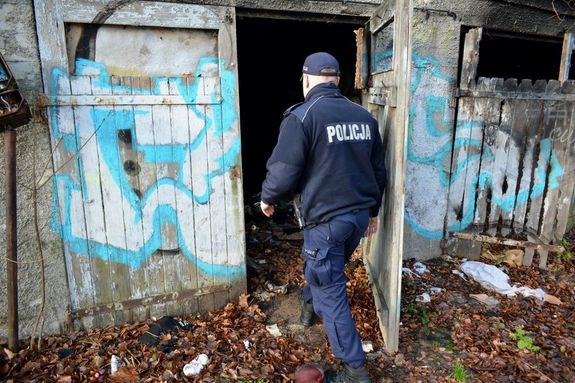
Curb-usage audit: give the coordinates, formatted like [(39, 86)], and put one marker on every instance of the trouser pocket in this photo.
[(317, 267)]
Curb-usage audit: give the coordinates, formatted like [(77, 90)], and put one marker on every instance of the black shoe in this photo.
[(307, 317), (348, 375)]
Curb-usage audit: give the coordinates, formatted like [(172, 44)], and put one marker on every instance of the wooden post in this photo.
[(11, 238), (566, 57)]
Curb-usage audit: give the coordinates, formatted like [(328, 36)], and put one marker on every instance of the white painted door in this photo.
[(143, 111)]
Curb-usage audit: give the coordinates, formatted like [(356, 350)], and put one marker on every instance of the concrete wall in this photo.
[(433, 76), (18, 45)]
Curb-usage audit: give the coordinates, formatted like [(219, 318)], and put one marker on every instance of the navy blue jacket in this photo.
[(330, 152)]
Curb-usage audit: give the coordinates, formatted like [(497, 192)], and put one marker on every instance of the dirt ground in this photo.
[(452, 338)]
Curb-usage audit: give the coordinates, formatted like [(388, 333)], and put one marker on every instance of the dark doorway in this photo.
[(270, 58)]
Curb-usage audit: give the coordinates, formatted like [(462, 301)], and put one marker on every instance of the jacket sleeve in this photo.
[(378, 165), (287, 162)]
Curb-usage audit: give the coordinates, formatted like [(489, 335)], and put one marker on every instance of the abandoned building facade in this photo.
[(152, 121)]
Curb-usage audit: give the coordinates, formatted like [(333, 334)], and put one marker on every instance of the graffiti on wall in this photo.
[(429, 151), (100, 175)]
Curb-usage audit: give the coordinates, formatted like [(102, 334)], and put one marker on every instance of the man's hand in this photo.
[(268, 210), (371, 227)]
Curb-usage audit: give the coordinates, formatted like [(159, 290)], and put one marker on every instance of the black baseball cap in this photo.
[(321, 64)]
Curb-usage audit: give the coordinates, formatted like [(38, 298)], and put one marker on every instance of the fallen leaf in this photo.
[(9, 353), (125, 375), (243, 301), (552, 299)]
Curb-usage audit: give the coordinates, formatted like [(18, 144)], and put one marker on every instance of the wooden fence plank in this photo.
[(566, 53), (549, 203), (530, 115), (460, 164), (567, 140), (67, 162), (490, 124), (500, 152), (86, 134), (470, 57), (184, 205), (202, 221), (113, 214), (217, 198), (154, 265)]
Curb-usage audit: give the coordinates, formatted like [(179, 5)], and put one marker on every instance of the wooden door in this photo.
[(142, 103), (387, 70)]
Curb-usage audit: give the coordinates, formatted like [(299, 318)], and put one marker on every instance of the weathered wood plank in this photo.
[(120, 100), (566, 53), (199, 169), (509, 242), (490, 124), (361, 59), (91, 186), (114, 220), (566, 136), (549, 198), (232, 180), (559, 158), (184, 205), (128, 182), (470, 58), (384, 258), (153, 14), (66, 162), (530, 116), (148, 193), (460, 170), (539, 168), (511, 173), (511, 95), (163, 144), (500, 152), (215, 153)]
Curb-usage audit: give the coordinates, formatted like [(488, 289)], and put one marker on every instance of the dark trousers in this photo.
[(327, 248)]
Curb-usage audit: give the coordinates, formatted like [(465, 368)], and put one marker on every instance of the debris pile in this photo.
[(452, 329)]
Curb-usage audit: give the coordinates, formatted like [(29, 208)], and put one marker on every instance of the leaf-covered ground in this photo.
[(453, 336)]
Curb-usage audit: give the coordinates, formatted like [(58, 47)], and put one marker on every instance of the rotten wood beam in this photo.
[(509, 242)]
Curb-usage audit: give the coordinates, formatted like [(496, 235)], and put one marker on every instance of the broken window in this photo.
[(506, 55), (382, 48)]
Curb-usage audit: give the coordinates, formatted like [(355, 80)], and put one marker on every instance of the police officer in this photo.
[(329, 153)]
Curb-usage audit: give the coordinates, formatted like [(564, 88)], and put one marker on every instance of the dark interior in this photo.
[(270, 58), (520, 57)]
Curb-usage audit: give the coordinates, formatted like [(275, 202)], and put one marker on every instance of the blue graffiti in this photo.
[(145, 215), (432, 132)]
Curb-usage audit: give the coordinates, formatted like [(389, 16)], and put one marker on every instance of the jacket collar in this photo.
[(322, 90)]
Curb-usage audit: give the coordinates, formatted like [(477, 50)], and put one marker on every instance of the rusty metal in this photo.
[(11, 238), (14, 112)]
